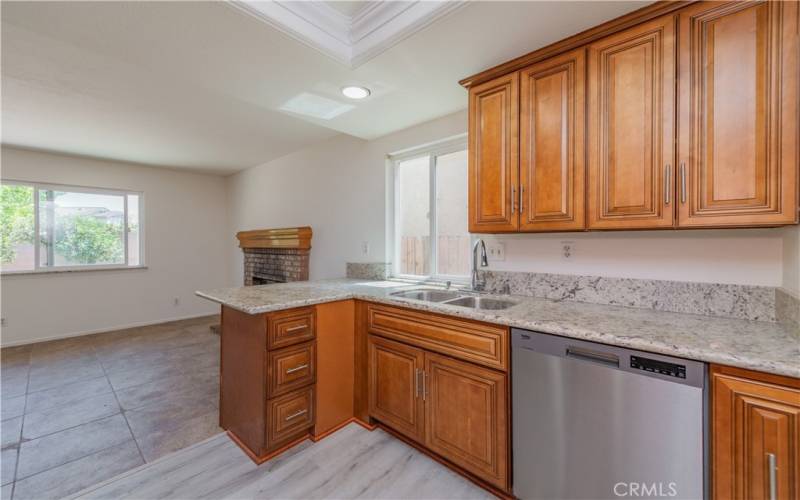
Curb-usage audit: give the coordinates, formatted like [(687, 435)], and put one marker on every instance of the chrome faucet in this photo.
[(478, 284)]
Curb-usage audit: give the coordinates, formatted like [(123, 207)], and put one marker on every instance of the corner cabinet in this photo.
[(675, 116), (755, 426), (494, 155), (457, 409), (631, 127), (738, 114)]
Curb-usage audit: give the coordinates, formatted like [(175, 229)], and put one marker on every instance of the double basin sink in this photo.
[(454, 298)]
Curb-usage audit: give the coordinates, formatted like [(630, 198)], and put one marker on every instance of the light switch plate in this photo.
[(496, 251)]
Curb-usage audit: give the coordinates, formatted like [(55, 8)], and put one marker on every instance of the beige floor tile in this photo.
[(56, 449), (160, 442), (10, 431), (56, 419), (74, 476), (13, 407), (67, 394), (162, 391), (8, 464)]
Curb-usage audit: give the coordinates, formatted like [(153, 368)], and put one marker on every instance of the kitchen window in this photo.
[(431, 237), (49, 227)]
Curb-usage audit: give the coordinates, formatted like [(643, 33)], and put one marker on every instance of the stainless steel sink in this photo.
[(481, 303), (427, 295)]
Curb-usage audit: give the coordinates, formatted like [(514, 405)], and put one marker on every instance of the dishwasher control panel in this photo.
[(655, 366)]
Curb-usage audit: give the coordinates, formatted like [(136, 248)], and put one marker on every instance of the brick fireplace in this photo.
[(275, 255)]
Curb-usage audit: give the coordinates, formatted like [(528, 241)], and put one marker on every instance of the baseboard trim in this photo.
[(102, 330)]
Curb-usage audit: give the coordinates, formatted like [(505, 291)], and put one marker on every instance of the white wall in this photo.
[(336, 187), (791, 259), (186, 240), (738, 256)]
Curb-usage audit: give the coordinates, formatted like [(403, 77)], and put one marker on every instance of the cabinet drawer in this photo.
[(291, 327), (290, 368), (290, 415), (477, 342)]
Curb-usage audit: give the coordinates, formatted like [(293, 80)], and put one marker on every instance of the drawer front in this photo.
[(291, 368), (291, 327), (289, 416), (467, 340)]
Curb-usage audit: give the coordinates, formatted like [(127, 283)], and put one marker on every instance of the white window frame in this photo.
[(432, 150), (37, 186)]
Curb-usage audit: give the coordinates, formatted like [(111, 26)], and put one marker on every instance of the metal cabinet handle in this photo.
[(667, 184), (683, 182), (295, 328), (772, 466), (513, 197), (295, 415), (424, 385), (296, 369), (521, 198), (416, 382)]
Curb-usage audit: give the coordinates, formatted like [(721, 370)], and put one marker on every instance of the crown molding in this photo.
[(351, 40)]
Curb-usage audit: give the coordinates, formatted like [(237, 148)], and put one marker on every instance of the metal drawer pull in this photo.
[(667, 186), (296, 369), (416, 382), (683, 182), (772, 465), (295, 328), (295, 415), (424, 385), (521, 199), (588, 355), (513, 197)]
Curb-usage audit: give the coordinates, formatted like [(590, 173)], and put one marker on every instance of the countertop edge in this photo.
[(710, 356)]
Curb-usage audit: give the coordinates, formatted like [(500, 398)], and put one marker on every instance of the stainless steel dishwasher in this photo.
[(593, 421)]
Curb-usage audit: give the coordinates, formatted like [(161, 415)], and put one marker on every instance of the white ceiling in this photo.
[(201, 85)]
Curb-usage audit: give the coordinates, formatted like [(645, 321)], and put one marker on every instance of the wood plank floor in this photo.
[(351, 463)]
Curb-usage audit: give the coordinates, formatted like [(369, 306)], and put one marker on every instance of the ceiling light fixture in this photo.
[(354, 92)]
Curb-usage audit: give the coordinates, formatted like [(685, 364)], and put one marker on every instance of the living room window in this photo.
[(431, 237), (49, 227)]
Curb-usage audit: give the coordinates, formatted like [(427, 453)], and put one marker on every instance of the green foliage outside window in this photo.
[(16, 219)]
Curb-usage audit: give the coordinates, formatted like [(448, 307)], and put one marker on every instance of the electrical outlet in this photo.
[(567, 250), (365, 248), (496, 251)]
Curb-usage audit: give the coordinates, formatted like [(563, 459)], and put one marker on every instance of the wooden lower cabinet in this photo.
[(466, 416), (395, 372), (755, 428), (456, 409)]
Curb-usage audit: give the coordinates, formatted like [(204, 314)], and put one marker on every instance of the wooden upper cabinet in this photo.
[(738, 114), (395, 382), (494, 155), (631, 127), (467, 417), (552, 144), (755, 436)]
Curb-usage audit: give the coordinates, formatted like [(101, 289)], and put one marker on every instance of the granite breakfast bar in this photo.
[(756, 345)]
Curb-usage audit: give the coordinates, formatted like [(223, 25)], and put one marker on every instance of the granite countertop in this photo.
[(756, 345)]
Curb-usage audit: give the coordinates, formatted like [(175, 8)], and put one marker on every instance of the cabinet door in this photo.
[(494, 155), (631, 127), (466, 409), (738, 114), (755, 439), (395, 378), (552, 144)]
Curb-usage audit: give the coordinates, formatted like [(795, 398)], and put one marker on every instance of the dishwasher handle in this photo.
[(594, 356)]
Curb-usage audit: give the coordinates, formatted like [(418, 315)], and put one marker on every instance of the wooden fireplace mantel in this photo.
[(289, 237)]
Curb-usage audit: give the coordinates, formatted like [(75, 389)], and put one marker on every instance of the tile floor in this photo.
[(79, 411)]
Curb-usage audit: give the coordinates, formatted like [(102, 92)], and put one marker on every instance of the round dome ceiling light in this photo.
[(354, 92)]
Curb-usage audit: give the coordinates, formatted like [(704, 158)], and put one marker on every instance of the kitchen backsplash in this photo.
[(787, 308), (756, 303), (369, 270)]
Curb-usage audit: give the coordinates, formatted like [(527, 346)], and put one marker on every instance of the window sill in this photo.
[(6, 274)]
